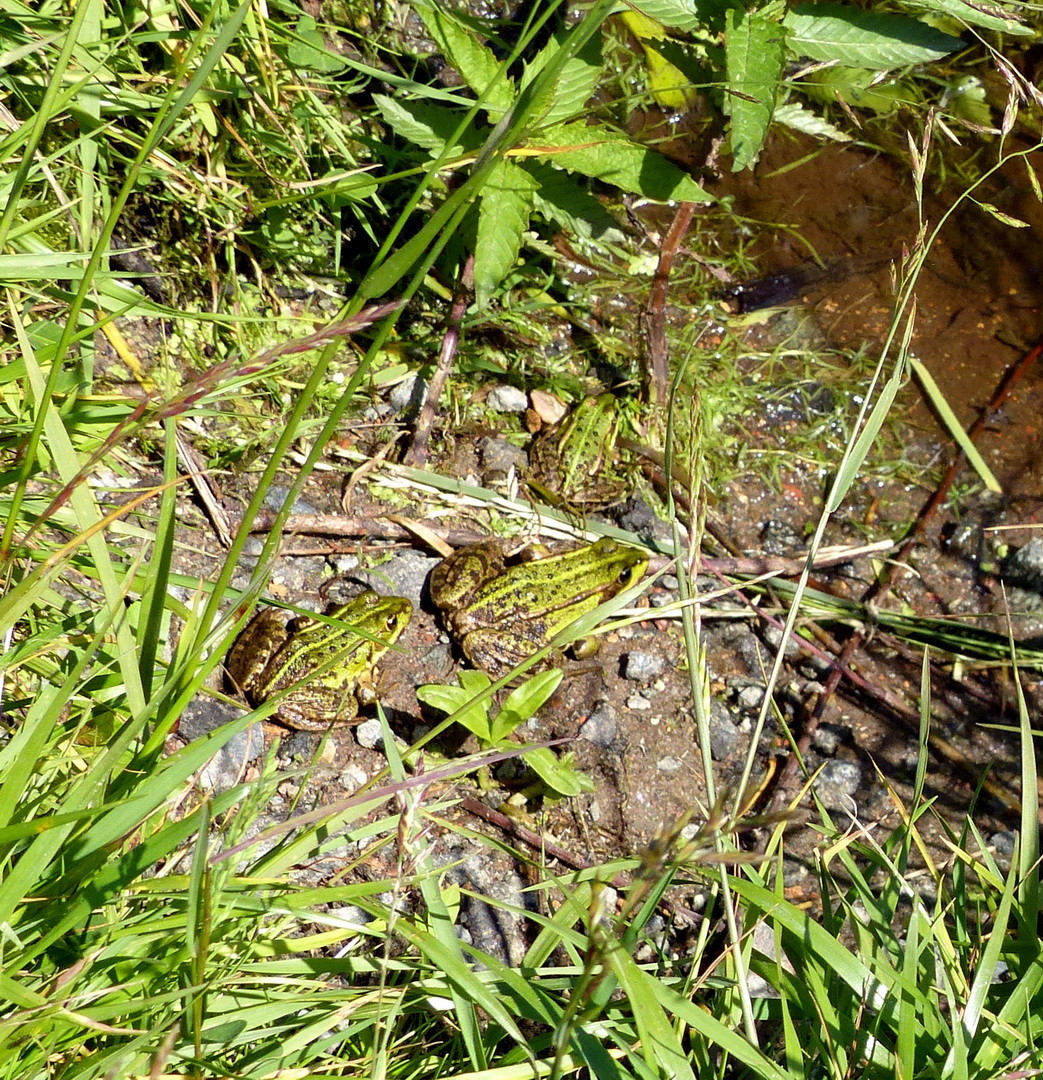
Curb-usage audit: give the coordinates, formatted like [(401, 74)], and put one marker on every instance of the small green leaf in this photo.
[(567, 203), (309, 50), (952, 424), (869, 39), (793, 115), (524, 702), (449, 699), (754, 57), (503, 216), (559, 776), (476, 65), (614, 159)]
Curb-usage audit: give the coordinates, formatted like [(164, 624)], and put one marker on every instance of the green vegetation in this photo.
[(253, 156)]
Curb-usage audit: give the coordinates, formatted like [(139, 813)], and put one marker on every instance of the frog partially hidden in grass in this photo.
[(326, 670), (500, 615)]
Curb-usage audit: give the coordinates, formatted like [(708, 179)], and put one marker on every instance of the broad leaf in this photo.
[(576, 82), (992, 16), (309, 49), (671, 88), (614, 159), (568, 203), (681, 14), (503, 216), (559, 776), (838, 32), (754, 57), (475, 64), (429, 126)]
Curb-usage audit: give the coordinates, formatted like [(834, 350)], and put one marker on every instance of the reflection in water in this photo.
[(787, 285)]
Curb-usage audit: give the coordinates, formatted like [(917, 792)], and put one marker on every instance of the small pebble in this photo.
[(548, 407), (352, 778), (601, 726), (670, 765), (370, 734), (750, 697), (837, 783), (638, 703), (828, 737), (642, 666), (500, 456), (408, 395), (724, 735), (507, 399)]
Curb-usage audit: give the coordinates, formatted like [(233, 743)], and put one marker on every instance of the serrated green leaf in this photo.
[(614, 159), (837, 32), (754, 57), (669, 85), (793, 115), (503, 216), (476, 65), (860, 88), (429, 126), (575, 83), (679, 14), (567, 203), (991, 16)]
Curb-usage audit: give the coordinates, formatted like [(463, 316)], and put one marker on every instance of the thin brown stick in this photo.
[(533, 839), (657, 373), (416, 455)]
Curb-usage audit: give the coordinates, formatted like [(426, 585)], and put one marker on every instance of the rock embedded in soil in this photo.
[(837, 783), (499, 457), (724, 735), (403, 575), (642, 666), (408, 396), (507, 399), (601, 726)]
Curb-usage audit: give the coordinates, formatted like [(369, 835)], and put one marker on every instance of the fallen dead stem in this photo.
[(879, 589), (416, 455)]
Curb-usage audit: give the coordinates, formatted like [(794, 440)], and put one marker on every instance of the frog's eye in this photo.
[(626, 575), (390, 622)]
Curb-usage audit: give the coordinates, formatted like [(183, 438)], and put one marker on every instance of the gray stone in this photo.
[(828, 737), (276, 496), (837, 783), (509, 399), (499, 456), (749, 695), (408, 396), (669, 765), (601, 726), (724, 735), (642, 666), (404, 575), (228, 765), (638, 703), (370, 735)]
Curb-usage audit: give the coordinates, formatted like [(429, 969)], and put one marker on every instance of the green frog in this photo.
[(327, 669), (500, 615), (581, 462)]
